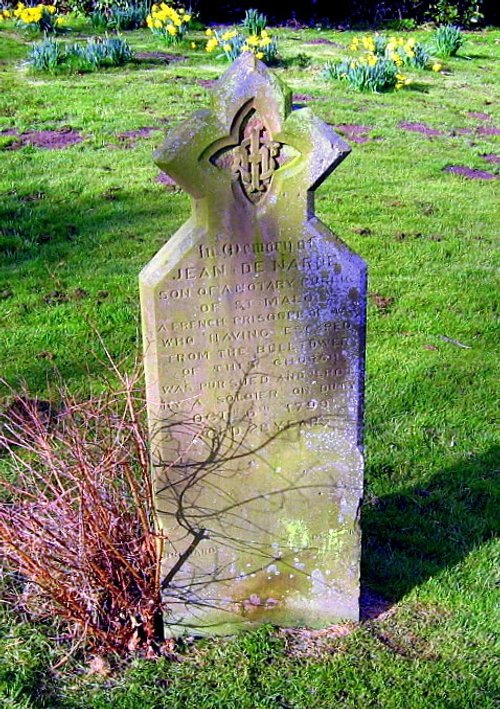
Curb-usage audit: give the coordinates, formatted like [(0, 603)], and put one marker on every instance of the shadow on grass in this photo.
[(34, 225), (81, 368), (155, 59), (417, 87), (469, 57), (416, 533)]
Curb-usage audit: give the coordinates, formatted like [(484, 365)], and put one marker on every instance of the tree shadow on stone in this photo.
[(419, 532), (226, 519)]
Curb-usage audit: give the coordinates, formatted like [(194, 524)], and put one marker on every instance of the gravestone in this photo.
[(253, 323)]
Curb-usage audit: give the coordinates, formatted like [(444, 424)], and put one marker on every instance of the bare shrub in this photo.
[(77, 516)]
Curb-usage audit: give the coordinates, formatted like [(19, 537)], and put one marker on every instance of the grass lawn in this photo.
[(77, 225)]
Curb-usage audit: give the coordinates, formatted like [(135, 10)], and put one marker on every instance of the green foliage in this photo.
[(466, 13), (99, 20), (382, 75), (302, 60), (254, 21), (404, 24), (421, 57), (81, 7), (52, 56), (98, 53), (47, 55), (127, 17), (447, 41)]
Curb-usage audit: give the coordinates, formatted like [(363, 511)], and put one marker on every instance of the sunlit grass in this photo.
[(76, 227)]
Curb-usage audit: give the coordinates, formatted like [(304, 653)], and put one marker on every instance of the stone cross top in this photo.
[(251, 144), (253, 321)]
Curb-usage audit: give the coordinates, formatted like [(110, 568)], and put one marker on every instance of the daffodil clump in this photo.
[(231, 43), (447, 41), (368, 73), (169, 23), (40, 18), (6, 15), (379, 62), (96, 53), (403, 51)]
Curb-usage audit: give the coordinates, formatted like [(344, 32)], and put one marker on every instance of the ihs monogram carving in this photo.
[(255, 158)]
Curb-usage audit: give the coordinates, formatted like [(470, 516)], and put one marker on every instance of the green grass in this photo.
[(77, 225)]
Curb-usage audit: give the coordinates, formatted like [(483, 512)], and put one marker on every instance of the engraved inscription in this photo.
[(263, 308)]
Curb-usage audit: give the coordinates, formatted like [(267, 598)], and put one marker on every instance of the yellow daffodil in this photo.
[(437, 66), (402, 80), (211, 44), (209, 32), (193, 45), (226, 47), (259, 55), (187, 18)]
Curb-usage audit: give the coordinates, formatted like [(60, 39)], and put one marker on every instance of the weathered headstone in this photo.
[(254, 321)]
